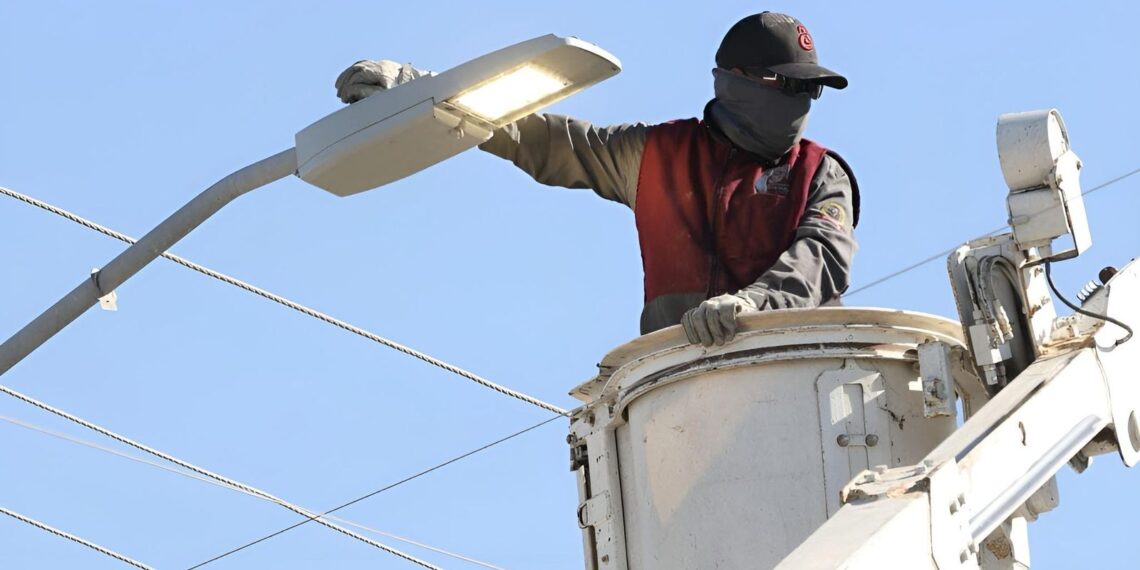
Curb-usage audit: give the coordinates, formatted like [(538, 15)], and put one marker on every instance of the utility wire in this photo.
[(906, 269), (197, 477), (412, 352), (378, 491), (290, 304), (419, 544), (112, 451), (918, 264), (74, 538), (308, 312), (236, 484)]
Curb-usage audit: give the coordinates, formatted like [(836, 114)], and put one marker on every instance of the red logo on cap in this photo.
[(805, 38)]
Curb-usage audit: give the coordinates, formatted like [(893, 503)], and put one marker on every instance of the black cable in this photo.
[(377, 492), (1106, 318)]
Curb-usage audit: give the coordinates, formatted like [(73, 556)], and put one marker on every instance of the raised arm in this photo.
[(553, 149), (561, 151)]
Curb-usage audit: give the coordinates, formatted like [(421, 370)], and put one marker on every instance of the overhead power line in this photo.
[(943, 254), (197, 477), (236, 484), (378, 491), (74, 538), (290, 304), (410, 351)]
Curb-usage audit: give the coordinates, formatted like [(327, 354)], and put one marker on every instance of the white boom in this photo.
[(1064, 389), (964, 505)]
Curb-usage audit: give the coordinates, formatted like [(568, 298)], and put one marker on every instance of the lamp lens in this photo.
[(510, 92)]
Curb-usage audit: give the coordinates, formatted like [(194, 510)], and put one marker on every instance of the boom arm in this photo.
[(1079, 398)]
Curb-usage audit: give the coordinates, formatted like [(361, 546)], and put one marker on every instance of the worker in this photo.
[(735, 212)]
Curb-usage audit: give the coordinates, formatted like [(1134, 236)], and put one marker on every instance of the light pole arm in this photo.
[(137, 256)]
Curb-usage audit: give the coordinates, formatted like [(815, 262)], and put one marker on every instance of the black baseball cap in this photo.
[(778, 43)]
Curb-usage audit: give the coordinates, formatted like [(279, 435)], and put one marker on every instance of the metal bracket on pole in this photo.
[(108, 302)]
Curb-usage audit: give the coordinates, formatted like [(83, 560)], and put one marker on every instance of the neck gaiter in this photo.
[(756, 117)]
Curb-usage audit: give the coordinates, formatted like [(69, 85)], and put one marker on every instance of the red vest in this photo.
[(702, 224)]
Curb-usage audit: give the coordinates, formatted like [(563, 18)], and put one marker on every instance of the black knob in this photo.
[(1106, 274)]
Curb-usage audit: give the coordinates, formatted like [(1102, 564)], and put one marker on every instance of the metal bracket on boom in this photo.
[(935, 365)]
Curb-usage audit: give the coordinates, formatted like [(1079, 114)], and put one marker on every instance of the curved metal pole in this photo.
[(153, 244)]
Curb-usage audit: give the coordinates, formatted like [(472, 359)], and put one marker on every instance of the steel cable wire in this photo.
[(76, 539), (290, 304), (378, 491), (236, 484), (918, 264), (197, 477)]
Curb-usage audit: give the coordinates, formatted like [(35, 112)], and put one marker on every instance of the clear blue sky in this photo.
[(123, 111)]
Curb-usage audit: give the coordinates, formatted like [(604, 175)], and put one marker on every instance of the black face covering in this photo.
[(756, 117)]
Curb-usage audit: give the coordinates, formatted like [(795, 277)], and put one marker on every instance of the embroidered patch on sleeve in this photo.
[(834, 211)]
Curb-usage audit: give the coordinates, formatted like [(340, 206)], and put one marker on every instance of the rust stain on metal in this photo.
[(1000, 547)]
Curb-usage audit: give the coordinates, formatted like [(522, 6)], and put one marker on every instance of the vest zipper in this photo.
[(714, 265)]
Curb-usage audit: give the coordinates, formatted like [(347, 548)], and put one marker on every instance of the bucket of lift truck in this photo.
[(730, 456)]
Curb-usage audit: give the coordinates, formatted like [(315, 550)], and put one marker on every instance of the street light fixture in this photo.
[(403, 130), (365, 145)]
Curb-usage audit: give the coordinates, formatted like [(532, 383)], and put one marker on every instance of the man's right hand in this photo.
[(367, 77)]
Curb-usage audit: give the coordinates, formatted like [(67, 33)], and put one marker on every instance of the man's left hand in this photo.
[(714, 320)]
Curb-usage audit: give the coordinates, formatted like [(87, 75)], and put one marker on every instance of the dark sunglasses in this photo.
[(793, 86)]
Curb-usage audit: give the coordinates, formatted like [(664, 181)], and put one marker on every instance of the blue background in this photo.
[(123, 111)]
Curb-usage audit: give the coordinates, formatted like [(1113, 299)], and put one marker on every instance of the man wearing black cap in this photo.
[(736, 212)]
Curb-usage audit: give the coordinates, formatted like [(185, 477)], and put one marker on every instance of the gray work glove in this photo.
[(366, 77), (714, 320)]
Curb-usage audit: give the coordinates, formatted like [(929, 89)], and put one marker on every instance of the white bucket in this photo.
[(729, 457)]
